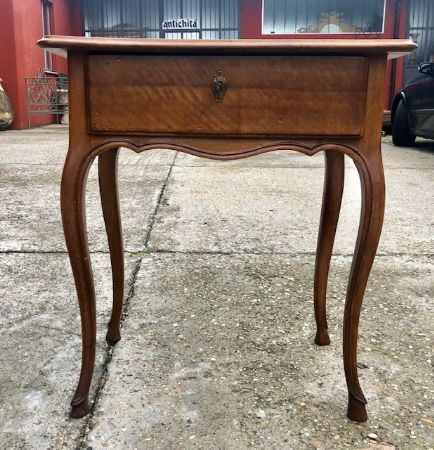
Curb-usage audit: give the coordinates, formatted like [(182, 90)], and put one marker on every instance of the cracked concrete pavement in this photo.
[(217, 344)]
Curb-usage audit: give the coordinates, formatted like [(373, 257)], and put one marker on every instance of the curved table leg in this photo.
[(371, 221), (331, 206), (107, 172), (72, 198)]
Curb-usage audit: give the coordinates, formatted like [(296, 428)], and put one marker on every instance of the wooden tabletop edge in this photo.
[(393, 47)]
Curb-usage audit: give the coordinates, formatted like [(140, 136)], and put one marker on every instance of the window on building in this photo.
[(322, 16), (47, 12), (171, 19), (421, 30)]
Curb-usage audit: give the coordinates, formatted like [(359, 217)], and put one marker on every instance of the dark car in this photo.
[(412, 111)]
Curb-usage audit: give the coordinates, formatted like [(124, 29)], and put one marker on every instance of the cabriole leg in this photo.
[(107, 171), (371, 221), (331, 206), (74, 226)]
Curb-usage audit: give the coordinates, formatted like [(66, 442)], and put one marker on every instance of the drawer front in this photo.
[(266, 96)]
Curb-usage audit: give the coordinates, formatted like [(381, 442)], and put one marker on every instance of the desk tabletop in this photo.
[(394, 48)]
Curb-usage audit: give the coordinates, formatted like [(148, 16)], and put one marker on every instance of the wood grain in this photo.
[(331, 208), (109, 193), (270, 95)]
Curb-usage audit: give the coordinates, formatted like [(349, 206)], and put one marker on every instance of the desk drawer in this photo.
[(266, 95)]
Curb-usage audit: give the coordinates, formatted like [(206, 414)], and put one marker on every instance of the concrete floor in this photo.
[(217, 349)]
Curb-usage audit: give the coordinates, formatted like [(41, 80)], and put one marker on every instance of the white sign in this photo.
[(180, 24)]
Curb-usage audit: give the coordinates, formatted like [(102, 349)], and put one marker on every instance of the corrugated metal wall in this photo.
[(214, 19)]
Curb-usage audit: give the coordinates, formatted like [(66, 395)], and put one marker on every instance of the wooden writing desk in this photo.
[(225, 100)]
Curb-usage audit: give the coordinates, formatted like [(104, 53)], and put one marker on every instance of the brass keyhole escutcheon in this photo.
[(219, 86)]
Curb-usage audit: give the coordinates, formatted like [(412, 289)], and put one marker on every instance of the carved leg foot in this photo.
[(331, 206), (322, 336), (80, 410), (107, 171), (356, 409), (113, 335)]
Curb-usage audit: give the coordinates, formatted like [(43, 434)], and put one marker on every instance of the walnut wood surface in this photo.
[(364, 150), (331, 207), (172, 95), (108, 184), (393, 48)]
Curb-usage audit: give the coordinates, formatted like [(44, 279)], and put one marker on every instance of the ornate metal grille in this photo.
[(46, 95), (421, 30), (212, 19)]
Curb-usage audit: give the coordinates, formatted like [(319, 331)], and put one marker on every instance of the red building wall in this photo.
[(20, 28), (8, 65)]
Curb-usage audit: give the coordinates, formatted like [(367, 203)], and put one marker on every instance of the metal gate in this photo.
[(46, 95), (421, 30), (172, 19)]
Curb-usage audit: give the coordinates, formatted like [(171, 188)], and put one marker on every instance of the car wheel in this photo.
[(401, 127)]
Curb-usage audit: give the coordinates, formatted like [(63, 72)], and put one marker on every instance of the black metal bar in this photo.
[(161, 16), (200, 19), (220, 23), (396, 27)]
